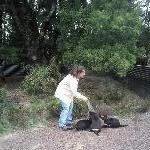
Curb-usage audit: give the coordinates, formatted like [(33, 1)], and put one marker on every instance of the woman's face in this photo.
[(81, 74)]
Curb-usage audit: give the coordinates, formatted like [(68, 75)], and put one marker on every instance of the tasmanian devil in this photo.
[(97, 123), (113, 122), (110, 121), (83, 124), (92, 124)]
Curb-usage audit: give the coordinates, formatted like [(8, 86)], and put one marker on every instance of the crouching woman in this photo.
[(65, 93)]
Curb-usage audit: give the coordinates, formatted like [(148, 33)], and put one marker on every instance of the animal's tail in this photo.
[(108, 126), (120, 126), (123, 125)]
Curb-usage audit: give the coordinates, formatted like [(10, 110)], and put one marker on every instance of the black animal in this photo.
[(97, 123), (93, 123), (143, 61), (83, 124), (111, 122)]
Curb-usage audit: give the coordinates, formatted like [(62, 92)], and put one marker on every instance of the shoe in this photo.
[(69, 124), (65, 128), (70, 127)]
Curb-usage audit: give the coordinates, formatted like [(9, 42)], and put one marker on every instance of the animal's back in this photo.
[(83, 125)]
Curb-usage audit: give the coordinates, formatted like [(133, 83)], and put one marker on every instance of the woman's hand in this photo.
[(85, 98)]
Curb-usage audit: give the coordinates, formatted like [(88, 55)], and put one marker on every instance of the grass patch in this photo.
[(106, 94), (32, 112)]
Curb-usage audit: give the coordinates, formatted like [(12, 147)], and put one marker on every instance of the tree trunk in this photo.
[(83, 3), (147, 14), (1, 21), (25, 18), (26, 22)]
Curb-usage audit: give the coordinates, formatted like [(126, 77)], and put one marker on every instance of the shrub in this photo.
[(92, 59), (116, 59), (32, 113), (3, 95), (38, 111), (18, 116), (103, 89), (9, 54), (43, 110), (41, 80), (54, 107), (122, 58), (80, 109), (5, 106), (107, 94), (2, 128)]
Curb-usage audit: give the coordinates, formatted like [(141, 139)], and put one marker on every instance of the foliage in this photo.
[(103, 89), (102, 36), (71, 25), (40, 111), (80, 109), (104, 94), (5, 105), (108, 95), (32, 113), (41, 80), (18, 116), (144, 40), (109, 39), (3, 100), (9, 54), (11, 114), (117, 59), (92, 59), (49, 108), (131, 106), (122, 58)]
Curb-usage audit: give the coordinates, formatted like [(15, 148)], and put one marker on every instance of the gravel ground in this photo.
[(136, 136)]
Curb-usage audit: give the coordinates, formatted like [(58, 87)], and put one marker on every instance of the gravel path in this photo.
[(136, 136)]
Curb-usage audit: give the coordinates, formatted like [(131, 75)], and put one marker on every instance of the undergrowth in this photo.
[(18, 109)]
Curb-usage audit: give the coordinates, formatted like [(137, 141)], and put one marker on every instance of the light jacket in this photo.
[(67, 89)]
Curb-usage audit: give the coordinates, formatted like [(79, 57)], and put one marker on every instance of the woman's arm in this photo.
[(74, 87)]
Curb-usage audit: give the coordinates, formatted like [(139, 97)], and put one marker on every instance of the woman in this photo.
[(65, 92)]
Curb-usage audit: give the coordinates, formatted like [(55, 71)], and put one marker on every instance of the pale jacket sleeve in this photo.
[(74, 87)]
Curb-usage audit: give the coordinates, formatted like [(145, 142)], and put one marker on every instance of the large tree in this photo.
[(144, 38), (111, 31), (47, 28), (28, 27), (35, 23)]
